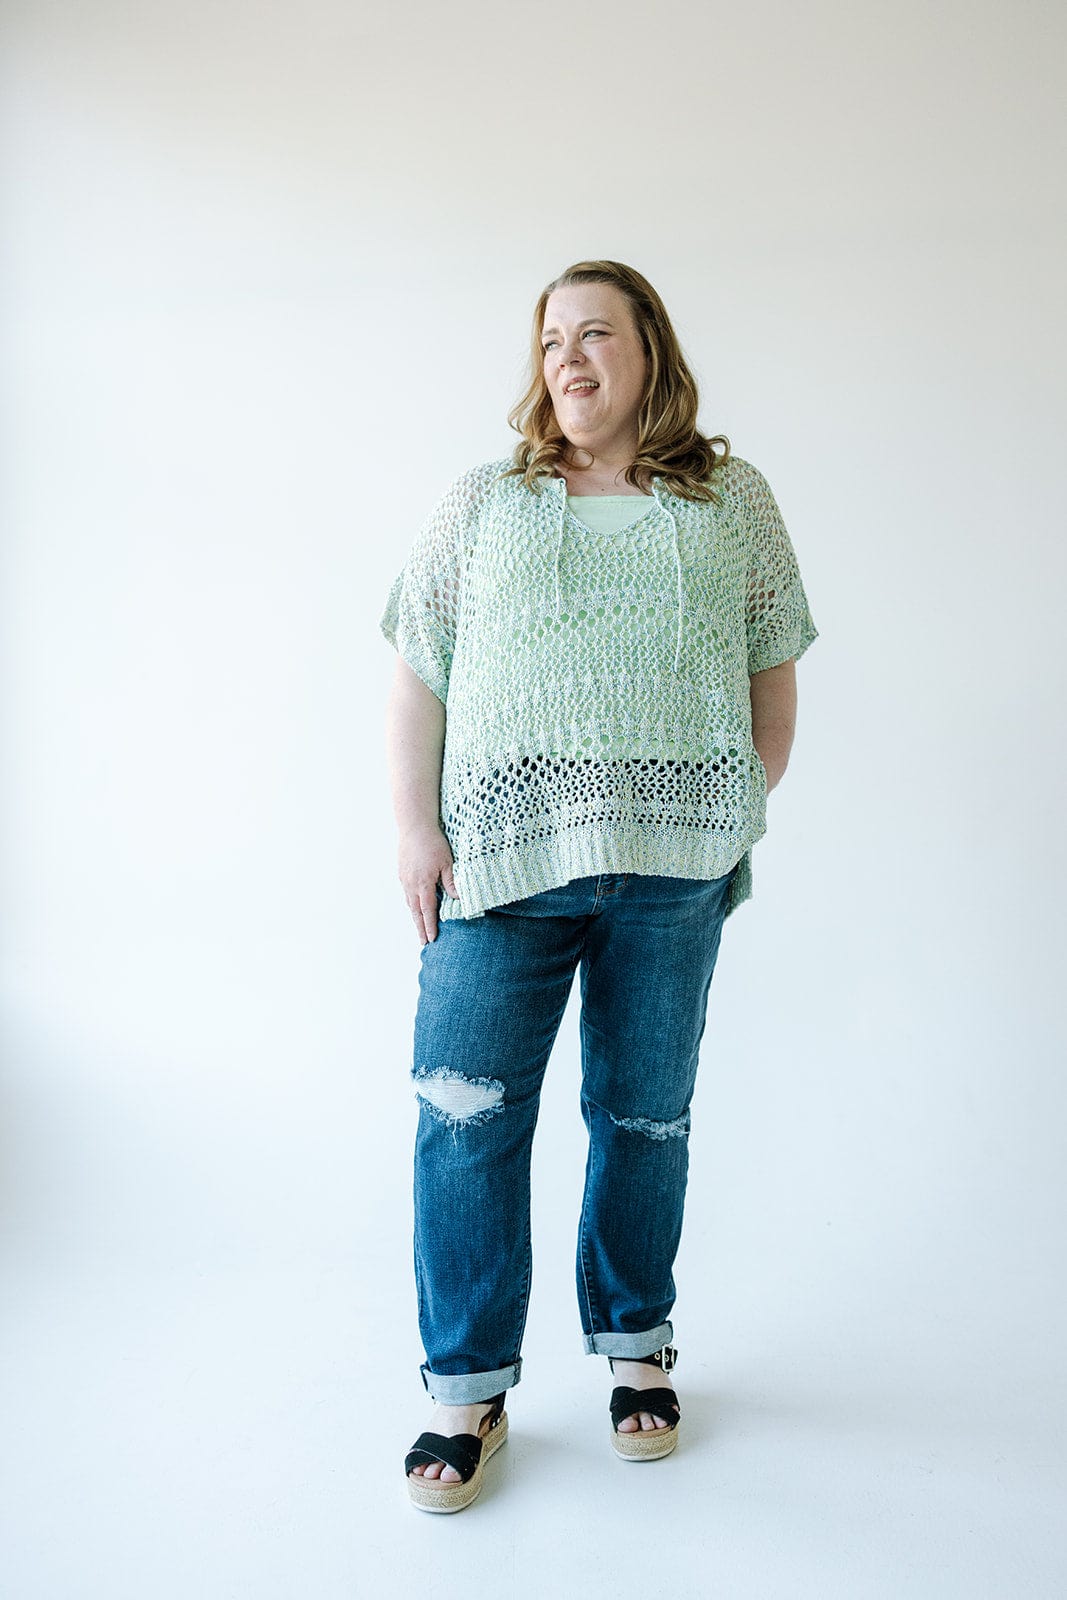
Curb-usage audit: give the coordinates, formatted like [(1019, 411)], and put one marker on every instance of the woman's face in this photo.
[(589, 338)]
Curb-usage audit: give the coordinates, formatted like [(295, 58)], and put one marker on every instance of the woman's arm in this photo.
[(415, 737), (773, 694)]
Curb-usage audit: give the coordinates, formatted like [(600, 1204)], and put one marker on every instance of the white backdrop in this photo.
[(269, 275)]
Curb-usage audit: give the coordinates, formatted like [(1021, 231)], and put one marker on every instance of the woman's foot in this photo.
[(450, 1420), (641, 1375)]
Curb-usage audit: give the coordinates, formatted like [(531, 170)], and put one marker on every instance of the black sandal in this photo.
[(466, 1452), (645, 1444)]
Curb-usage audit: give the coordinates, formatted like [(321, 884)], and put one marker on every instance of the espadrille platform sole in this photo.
[(466, 1452), (643, 1444)]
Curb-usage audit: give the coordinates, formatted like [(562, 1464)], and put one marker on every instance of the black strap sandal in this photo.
[(466, 1452), (642, 1444)]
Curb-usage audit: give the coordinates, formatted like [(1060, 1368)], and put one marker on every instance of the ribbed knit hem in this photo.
[(497, 880)]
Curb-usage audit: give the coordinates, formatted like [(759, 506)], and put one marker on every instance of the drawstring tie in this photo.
[(658, 491)]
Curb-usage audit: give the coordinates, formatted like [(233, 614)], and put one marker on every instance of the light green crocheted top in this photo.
[(594, 664)]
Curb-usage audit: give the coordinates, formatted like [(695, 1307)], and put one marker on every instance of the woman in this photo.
[(611, 618)]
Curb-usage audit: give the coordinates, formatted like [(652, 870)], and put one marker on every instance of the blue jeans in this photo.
[(492, 993)]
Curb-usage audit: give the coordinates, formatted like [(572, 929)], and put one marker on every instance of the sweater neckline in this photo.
[(559, 486)]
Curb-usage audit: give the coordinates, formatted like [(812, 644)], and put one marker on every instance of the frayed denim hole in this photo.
[(678, 1129), (456, 1100)]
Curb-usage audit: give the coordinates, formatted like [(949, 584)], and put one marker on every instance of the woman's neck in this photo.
[(596, 480)]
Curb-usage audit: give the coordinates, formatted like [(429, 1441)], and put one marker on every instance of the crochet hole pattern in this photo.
[(520, 803), (596, 679)]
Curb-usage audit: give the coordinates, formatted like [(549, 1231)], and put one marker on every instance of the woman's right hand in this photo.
[(425, 858)]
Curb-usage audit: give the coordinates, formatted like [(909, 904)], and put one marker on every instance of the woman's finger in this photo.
[(428, 907)]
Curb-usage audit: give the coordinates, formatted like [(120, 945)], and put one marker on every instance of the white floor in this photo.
[(233, 1433)]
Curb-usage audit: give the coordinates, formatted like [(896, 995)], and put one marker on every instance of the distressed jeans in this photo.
[(492, 993)]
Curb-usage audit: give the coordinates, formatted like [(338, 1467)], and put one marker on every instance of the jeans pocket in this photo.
[(529, 900), (515, 905)]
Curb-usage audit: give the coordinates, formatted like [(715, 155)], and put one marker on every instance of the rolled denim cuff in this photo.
[(467, 1388), (628, 1346)]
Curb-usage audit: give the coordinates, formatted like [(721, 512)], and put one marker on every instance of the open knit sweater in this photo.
[(596, 684)]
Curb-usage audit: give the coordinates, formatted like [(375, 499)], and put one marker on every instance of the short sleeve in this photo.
[(778, 620), (423, 606)]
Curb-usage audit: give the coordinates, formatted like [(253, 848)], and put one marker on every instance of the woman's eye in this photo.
[(550, 342)]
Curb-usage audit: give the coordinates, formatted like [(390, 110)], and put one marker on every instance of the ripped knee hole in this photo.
[(456, 1099)]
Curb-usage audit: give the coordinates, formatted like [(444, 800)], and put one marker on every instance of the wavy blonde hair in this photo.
[(668, 443)]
